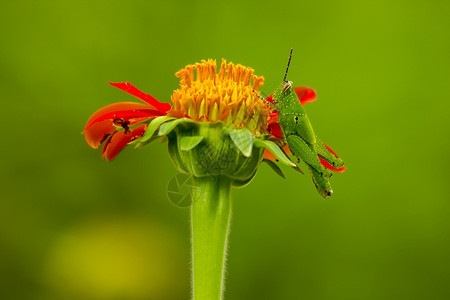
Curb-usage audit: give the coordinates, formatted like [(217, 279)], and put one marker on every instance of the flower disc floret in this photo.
[(230, 95)]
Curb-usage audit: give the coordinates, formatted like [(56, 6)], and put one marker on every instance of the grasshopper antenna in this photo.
[(264, 99), (287, 68)]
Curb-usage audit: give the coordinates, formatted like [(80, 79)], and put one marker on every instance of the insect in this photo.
[(299, 135)]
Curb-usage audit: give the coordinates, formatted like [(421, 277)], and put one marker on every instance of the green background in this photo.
[(73, 226)]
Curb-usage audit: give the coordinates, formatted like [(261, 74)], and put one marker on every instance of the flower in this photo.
[(229, 97), (224, 116), (305, 95)]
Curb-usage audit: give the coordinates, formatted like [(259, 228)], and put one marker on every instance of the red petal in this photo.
[(132, 90), (126, 115), (119, 140), (275, 130), (305, 94), (97, 133), (270, 98), (268, 155), (116, 107), (176, 113), (100, 124), (273, 117), (330, 167)]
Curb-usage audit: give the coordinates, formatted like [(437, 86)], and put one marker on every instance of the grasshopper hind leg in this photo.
[(327, 155), (308, 154)]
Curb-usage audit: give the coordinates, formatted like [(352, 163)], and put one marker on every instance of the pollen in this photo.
[(230, 95)]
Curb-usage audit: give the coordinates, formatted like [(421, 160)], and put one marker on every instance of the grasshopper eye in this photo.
[(287, 87)]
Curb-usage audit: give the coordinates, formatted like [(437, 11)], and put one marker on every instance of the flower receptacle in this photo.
[(206, 149)]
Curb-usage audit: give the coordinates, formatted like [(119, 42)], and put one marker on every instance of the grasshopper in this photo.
[(299, 135)]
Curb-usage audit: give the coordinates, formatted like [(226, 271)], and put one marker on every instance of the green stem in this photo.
[(211, 214)]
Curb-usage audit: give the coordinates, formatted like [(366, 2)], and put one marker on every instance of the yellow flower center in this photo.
[(230, 96)]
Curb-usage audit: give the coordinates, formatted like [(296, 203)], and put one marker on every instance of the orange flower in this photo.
[(230, 96)]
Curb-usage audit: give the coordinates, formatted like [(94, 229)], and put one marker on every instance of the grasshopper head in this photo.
[(287, 87)]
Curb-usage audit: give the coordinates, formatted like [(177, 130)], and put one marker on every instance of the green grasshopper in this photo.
[(299, 135)]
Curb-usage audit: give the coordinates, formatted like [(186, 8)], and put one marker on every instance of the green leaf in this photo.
[(243, 140), (275, 150), (166, 128), (153, 126), (189, 142), (274, 167)]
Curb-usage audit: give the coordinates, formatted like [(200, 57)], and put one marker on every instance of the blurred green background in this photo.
[(73, 226)]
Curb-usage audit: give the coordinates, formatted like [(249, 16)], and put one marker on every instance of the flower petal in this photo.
[(176, 113), (127, 115), (132, 90), (98, 132), (275, 130), (115, 107), (305, 94), (272, 118), (119, 140)]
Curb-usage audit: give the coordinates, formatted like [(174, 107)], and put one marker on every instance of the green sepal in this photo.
[(242, 183), (297, 168), (166, 128), (153, 126), (140, 145), (215, 155), (189, 142), (274, 167), (243, 139), (275, 150)]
